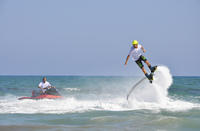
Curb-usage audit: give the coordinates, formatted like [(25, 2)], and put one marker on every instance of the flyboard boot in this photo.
[(150, 77), (153, 69)]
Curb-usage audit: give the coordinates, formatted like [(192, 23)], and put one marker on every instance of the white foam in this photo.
[(72, 89), (155, 96), (147, 96), (56, 106)]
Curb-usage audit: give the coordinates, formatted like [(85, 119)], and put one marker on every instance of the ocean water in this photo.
[(99, 103)]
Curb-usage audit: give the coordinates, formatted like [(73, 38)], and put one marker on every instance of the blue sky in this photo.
[(93, 37)]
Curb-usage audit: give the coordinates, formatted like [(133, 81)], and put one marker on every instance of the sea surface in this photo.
[(99, 103)]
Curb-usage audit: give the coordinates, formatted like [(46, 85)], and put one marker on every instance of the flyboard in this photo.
[(139, 82)]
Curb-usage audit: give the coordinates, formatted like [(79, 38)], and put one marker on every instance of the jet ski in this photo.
[(50, 93)]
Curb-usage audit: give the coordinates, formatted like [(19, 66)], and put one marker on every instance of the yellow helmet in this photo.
[(135, 42)]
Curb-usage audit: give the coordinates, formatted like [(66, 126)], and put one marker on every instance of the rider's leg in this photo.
[(146, 74), (148, 64), (146, 61), (139, 63), (142, 58), (144, 70), (150, 67)]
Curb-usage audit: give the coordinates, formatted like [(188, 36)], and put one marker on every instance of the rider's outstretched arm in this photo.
[(127, 58), (143, 49)]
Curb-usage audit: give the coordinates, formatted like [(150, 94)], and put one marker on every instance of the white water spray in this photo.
[(155, 95), (112, 97), (155, 92)]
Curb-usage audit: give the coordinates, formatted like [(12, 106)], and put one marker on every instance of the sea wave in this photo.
[(72, 89), (147, 96)]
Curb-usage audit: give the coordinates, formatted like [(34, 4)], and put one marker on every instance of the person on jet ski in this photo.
[(44, 85), (46, 91)]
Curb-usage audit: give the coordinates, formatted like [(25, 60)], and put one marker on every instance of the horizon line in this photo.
[(93, 75)]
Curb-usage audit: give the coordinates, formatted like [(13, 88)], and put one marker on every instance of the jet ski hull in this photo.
[(51, 93), (41, 97)]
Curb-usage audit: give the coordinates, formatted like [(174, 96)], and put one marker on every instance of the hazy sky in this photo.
[(93, 37)]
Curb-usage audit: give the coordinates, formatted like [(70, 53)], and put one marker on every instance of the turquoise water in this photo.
[(99, 103)]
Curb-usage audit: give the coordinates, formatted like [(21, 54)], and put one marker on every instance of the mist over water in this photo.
[(101, 94)]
